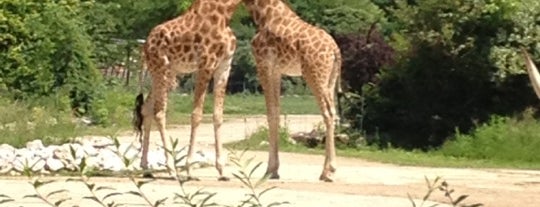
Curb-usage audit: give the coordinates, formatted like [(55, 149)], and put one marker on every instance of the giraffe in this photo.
[(286, 45), (199, 41)]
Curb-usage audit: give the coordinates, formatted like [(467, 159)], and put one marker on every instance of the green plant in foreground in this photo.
[(46, 198), (199, 198), (445, 188), (5, 199), (103, 195), (84, 171), (253, 197)]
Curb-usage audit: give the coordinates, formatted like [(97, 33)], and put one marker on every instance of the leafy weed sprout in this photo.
[(245, 175), (444, 187)]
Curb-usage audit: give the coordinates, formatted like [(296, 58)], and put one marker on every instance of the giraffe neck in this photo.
[(221, 10), (270, 14)]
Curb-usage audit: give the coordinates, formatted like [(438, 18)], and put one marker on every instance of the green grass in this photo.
[(21, 122), (50, 119), (501, 139), (181, 106), (434, 158), (245, 104), (501, 143)]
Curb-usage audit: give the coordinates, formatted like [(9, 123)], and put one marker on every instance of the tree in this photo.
[(459, 67), (44, 47), (364, 55), (339, 16)]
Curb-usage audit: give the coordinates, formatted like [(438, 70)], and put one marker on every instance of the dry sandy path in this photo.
[(359, 182)]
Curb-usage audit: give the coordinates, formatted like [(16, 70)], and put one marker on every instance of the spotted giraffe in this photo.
[(199, 41), (286, 45)]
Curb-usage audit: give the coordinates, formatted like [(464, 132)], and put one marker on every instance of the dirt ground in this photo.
[(358, 182)]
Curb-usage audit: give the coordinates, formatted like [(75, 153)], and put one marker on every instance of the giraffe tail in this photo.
[(139, 100), (137, 114)]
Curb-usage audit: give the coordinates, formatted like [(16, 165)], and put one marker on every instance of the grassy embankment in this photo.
[(502, 143)]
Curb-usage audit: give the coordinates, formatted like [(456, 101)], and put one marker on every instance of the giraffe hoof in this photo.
[(148, 175), (192, 178), (326, 177), (223, 178), (272, 176)]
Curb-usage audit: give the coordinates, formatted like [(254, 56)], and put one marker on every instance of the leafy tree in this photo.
[(243, 76), (51, 47), (460, 68), (340, 16), (363, 57)]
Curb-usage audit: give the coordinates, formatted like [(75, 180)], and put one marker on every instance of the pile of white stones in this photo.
[(99, 153)]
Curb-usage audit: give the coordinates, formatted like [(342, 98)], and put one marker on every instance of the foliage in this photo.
[(447, 79), (50, 119), (444, 187), (498, 139), (363, 57), (135, 18), (46, 47), (339, 16), (243, 77), (245, 174), (259, 140)]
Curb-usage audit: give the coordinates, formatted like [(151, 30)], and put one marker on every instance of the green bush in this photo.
[(460, 68), (47, 47), (502, 138)]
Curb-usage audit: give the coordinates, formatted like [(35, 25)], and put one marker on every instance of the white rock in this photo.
[(129, 151), (7, 152), (7, 147), (93, 162), (38, 165), (24, 152), (5, 166), (181, 156), (110, 160), (35, 145), (208, 158), (79, 150), (63, 153), (264, 143), (97, 142), (156, 159), (89, 149), (205, 158), (53, 164), (24, 162), (46, 152)]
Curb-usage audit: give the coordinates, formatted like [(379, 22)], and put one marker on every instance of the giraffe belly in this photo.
[(184, 67), (291, 68)]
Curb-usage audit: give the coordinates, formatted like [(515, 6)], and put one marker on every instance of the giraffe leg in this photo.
[(147, 113), (220, 84), (203, 78), (159, 95), (271, 83), (323, 96), (332, 90), (330, 152)]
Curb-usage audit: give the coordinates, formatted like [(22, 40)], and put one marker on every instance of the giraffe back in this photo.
[(201, 34)]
